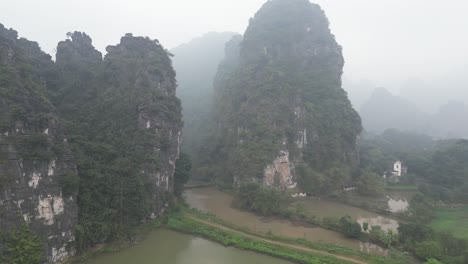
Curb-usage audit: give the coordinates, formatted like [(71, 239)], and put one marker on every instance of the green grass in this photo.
[(453, 220), (401, 187)]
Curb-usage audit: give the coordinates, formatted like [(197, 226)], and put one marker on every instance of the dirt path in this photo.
[(353, 260)]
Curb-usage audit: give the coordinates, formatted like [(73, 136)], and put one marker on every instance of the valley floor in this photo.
[(452, 220)]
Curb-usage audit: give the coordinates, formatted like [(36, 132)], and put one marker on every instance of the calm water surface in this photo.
[(168, 247), (219, 203), (398, 201)]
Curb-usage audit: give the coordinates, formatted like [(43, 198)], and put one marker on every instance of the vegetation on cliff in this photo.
[(123, 121), (282, 92), (118, 115), (35, 159)]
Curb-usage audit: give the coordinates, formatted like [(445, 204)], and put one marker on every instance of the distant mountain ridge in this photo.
[(196, 63), (383, 110)]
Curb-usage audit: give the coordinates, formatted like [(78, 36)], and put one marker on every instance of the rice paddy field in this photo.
[(454, 220)]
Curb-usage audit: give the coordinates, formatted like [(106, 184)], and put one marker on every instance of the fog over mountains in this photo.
[(383, 110)]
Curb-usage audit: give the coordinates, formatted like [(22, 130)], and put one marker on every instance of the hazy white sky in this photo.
[(386, 41)]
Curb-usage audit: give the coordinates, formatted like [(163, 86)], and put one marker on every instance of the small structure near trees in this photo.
[(396, 172)]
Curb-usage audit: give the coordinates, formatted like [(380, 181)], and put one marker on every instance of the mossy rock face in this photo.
[(99, 134), (278, 93), (37, 217)]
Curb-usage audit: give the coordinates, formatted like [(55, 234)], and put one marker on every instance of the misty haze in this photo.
[(264, 131)]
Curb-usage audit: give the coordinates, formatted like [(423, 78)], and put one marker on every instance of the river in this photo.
[(219, 203), (168, 247)]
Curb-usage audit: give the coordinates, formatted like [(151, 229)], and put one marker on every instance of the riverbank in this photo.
[(208, 226), (296, 250)]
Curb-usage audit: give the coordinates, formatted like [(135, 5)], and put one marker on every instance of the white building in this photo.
[(399, 169)]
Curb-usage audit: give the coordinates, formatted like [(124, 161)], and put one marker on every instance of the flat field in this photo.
[(454, 220)]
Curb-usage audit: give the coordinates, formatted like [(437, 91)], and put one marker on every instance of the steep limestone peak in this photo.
[(280, 109)]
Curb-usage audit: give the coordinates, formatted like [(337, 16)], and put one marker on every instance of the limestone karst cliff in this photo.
[(124, 122), (281, 114), (35, 159), (88, 145)]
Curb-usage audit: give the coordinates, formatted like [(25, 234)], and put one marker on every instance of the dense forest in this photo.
[(438, 166)]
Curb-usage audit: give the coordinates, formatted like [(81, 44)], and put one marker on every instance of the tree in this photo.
[(365, 226), (388, 238), (376, 233), (432, 261), (182, 173), (349, 227), (262, 200), (421, 208), (428, 249), (370, 184), (23, 247)]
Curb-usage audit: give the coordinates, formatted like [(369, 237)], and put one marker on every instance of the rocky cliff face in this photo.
[(124, 126), (142, 71), (280, 104), (101, 135), (35, 159)]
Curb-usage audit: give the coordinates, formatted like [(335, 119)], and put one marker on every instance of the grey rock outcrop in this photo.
[(34, 155)]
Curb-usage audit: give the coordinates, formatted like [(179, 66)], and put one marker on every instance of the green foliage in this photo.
[(349, 227), (370, 184), (441, 164), (376, 233), (22, 89), (271, 93), (432, 261), (421, 208), (426, 243), (105, 105), (259, 199), (182, 173), (388, 238), (70, 183), (412, 233), (23, 247), (452, 220), (365, 226), (428, 249)]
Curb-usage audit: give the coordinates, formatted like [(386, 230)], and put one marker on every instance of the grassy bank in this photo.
[(401, 187), (393, 256), (453, 220), (344, 251)]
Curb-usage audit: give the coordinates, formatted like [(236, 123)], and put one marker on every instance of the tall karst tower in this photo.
[(281, 114)]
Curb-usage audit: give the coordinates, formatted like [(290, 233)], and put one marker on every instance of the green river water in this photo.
[(168, 247)]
